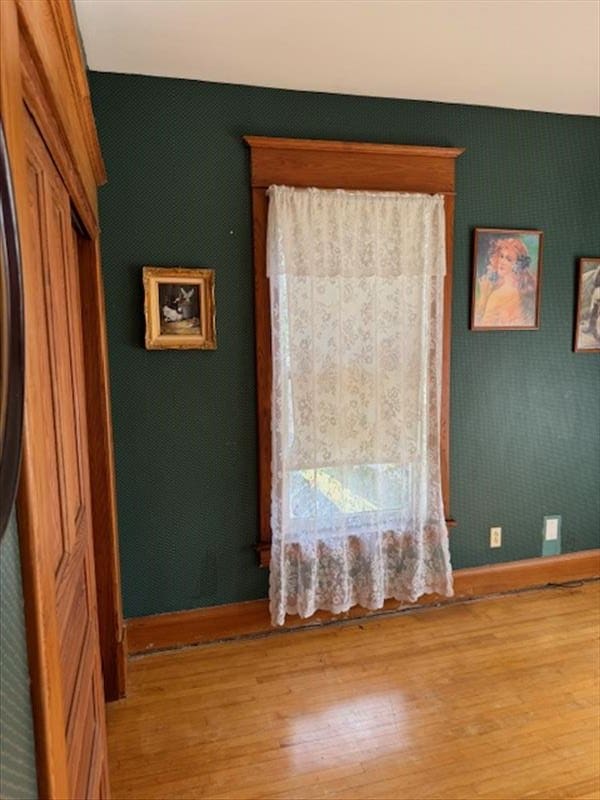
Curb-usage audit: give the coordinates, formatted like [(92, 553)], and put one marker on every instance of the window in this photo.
[(353, 166)]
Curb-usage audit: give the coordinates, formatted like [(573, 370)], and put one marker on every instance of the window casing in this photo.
[(339, 165)]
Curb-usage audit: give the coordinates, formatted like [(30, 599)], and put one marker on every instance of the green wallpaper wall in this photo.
[(525, 421), (18, 779)]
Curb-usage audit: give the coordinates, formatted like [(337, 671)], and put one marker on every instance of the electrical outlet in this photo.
[(495, 537)]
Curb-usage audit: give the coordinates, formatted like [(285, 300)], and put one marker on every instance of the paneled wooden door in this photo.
[(57, 422)]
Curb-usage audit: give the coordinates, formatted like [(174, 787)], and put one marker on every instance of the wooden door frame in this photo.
[(42, 70)]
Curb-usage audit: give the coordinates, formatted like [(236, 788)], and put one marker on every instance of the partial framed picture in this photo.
[(179, 305), (587, 320), (507, 276)]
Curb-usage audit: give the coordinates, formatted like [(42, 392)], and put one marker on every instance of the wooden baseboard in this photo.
[(236, 620)]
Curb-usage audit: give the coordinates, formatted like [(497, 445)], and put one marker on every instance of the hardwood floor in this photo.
[(491, 699)]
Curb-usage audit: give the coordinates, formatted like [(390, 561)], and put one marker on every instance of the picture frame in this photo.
[(179, 307), (587, 315), (507, 279)]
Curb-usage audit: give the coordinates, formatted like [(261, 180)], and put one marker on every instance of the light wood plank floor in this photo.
[(492, 699)]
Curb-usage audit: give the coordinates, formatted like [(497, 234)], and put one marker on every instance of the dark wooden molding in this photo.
[(237, 620), (446, 354), (264, 553), (102, 473), (264, 370), (63, 14), (42, 107), (333, 146), (340, 165), (351, 165), (51, 29)]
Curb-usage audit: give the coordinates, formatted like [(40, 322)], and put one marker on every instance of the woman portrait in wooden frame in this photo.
[(506, 279)]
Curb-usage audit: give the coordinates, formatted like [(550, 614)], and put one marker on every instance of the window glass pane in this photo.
[(349, 490)]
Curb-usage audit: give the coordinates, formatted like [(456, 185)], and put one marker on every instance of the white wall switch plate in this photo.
[(551, 529), (495, 537), (551, 538)]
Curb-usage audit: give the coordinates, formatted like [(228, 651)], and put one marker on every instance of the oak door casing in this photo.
[(56, 419), (42, 69)]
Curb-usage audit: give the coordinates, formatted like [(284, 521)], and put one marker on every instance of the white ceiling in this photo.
[(530, 54)]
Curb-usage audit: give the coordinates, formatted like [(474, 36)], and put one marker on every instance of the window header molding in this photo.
[(331, 145), (352, 165), (326, 164)]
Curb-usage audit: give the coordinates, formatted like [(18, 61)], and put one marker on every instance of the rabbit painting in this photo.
[(171, 314), (185, 305), (179, 308)]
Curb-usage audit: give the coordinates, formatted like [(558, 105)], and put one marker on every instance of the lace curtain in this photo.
[(356, 284)]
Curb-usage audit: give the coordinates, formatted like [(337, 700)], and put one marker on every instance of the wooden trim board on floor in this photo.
[(199, 626)]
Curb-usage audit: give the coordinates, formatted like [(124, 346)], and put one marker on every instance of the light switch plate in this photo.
[(496, 536), (551, 541)]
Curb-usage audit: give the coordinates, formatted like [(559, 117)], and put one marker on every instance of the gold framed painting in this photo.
[(587, 318), (179, 305)]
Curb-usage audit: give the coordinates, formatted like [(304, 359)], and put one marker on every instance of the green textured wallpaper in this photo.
[(18, 779), (525, 416)]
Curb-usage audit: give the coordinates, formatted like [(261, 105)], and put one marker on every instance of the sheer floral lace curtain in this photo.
[(356, 284)]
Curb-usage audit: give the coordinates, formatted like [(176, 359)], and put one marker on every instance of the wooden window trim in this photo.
[(340, 165)]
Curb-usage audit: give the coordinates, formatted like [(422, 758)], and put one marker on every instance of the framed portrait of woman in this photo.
[(507, 273)]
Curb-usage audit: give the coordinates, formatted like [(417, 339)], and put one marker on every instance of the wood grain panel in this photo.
[(59, 276), (84, 740), (49, 47), (351, 165), (165, 631), (340, 171), (36, 248), (35, 514), (61, 402), (94, 781), (80, 737), (63, 15), (40, 107), (73, 616), (98, 784), (82, 775), (55, 49), (42, 72)]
